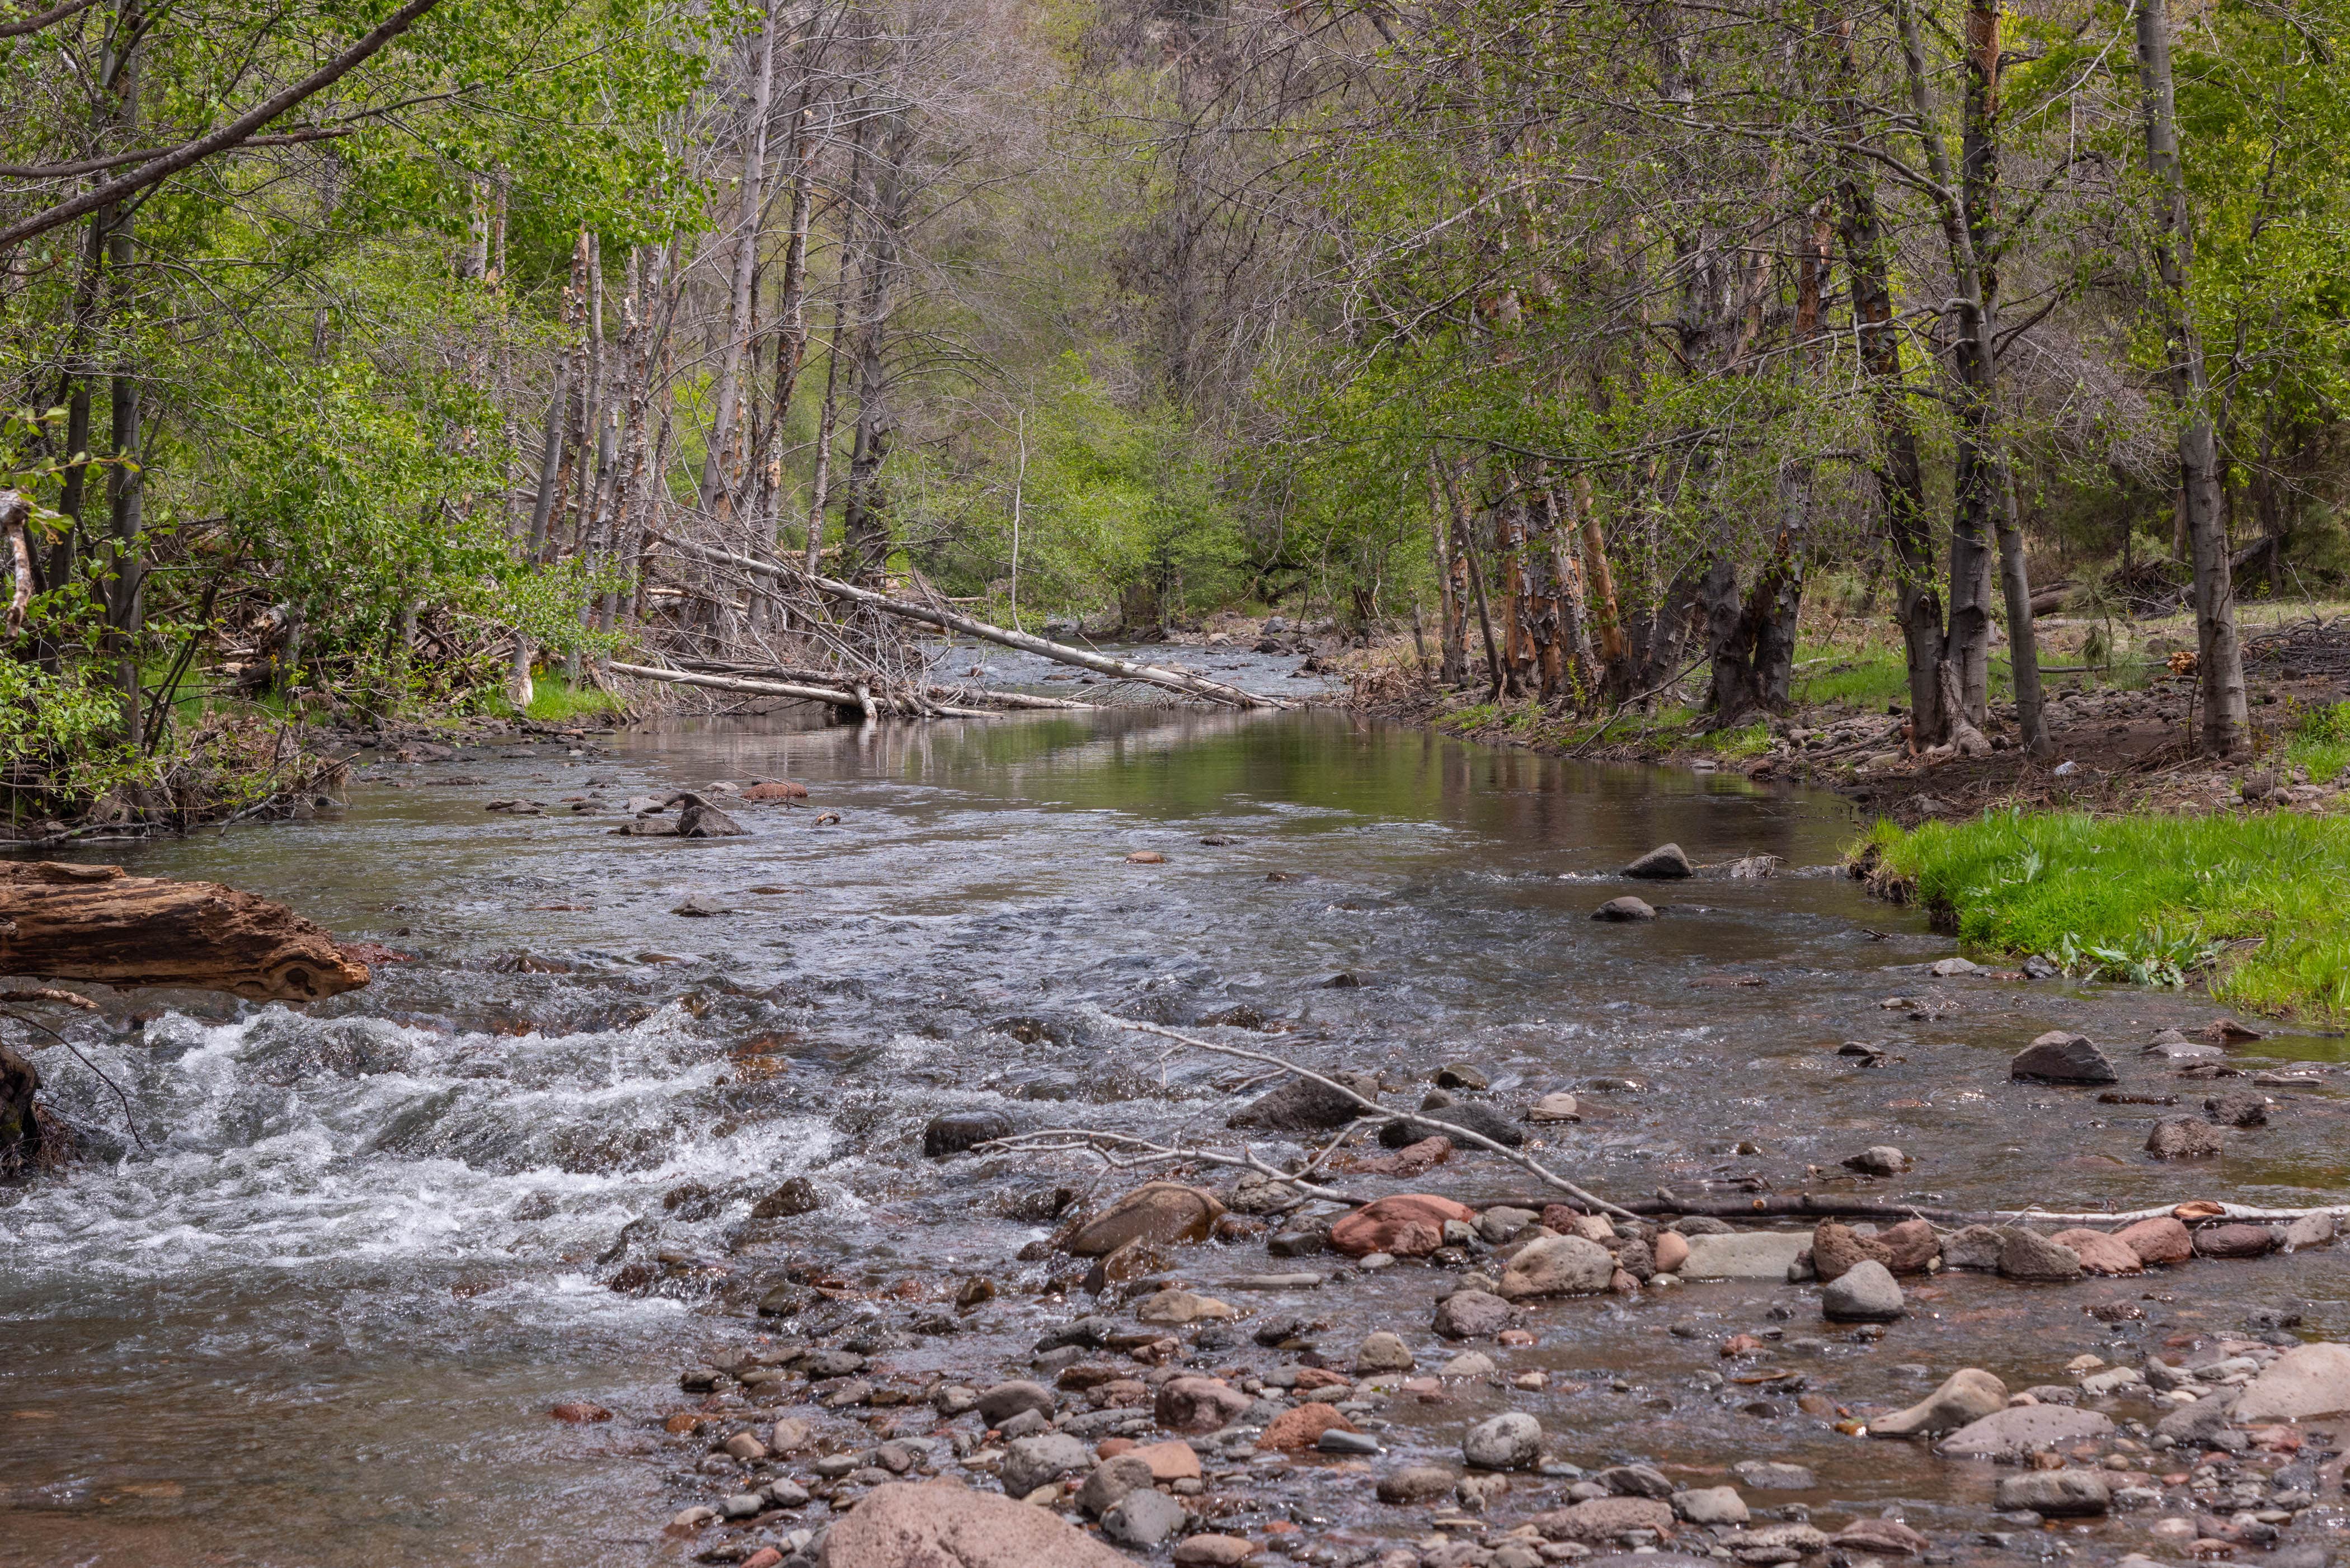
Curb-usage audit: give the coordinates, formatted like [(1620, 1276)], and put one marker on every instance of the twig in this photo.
[(1459, 1135), (1062, 1140), (129, 1120)]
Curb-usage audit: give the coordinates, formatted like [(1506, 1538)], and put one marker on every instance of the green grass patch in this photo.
[(1868, 680), (1736, 745), (555, 700), (2253, 905), (2320, 742)]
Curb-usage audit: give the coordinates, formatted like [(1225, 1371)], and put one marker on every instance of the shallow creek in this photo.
[(322, 1315)]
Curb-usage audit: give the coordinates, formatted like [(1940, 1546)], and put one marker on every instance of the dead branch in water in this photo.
[(1825, 1206), (1460, 1136), (1123, 1151)]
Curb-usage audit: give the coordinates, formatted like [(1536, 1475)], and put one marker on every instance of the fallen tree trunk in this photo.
[(947, 621), (939, 693), (95, 923), (736, 683)]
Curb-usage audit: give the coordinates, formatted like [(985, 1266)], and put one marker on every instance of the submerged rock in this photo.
[(2023, 1430), (956, 1131), (2056, 1494), (1625, 908), (1164, 1212), (1303, 1106)]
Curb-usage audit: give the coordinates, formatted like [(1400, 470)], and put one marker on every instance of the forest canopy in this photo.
[(361, 358)]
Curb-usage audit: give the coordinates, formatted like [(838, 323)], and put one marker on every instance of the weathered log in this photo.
[(792, 688), (97, 924)]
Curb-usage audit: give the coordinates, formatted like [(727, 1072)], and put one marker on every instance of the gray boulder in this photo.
[(1030, 1462), (1625, 908), (1511, 1441), (1303, 1106), (1865, 1293), (1471, 1314), (2023, 1429), (2058, 1057), (1143, 1519), (1664, 863), (2026, 1254)]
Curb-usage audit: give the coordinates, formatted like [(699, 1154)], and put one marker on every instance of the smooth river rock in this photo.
[(1163, 1212), (1664, 863), (1406, 1225), (1967, 1394), (1865, 1293), (2162, 1241), (1625, 908), (2307, 1380), (2023, 1429), (1744, 1255), (1303, 1106), (1557, 1266), (1510, 1441), (2100, 1251), (2026, 1254), (2056, 1494)]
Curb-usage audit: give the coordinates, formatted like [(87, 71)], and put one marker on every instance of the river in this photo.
[(321, 1315)]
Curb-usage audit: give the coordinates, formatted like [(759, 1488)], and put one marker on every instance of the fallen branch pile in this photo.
[(817, 601)]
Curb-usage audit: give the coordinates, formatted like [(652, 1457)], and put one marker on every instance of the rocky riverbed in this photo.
[(421, 1273)]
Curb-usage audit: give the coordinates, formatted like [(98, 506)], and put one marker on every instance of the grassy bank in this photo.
[(2255, 905)]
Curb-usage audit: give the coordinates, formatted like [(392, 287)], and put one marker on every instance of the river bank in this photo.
[(628, 1089)]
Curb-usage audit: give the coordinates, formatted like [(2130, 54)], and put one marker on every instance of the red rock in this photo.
[(1412, 1159), (776, 789), (1879, 1537), (940, 1522), (1837, 1250), (1672, 1252), (765, 1557), (2101, 1251), (1913, 1246), (1598, 1521), (1302, 1426), (2162, 1241), (1112, 1447), (1312, 1377), (1171, 1461), (1214, 1552), (584, 1413), (1559, 1217), (1408, 1225), (1198, 1404), (1158, 1211)]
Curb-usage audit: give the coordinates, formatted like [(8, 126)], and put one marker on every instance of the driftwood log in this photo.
[(97, 924)]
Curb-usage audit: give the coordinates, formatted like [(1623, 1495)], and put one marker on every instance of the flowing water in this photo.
[(317, 1309)]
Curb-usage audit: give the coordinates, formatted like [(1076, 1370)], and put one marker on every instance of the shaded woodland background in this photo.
[(1588, 339)]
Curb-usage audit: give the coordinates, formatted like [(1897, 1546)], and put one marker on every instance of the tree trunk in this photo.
[(95, 924), (2220, 657), (715, 488), (792, 336), (867, 528)]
